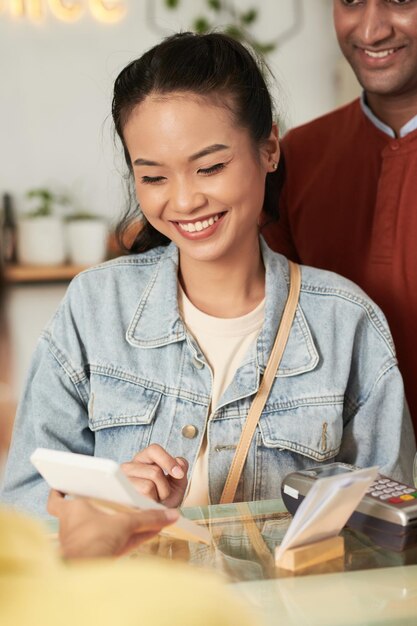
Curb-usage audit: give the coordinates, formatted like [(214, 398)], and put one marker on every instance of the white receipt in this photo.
[(327, 507)]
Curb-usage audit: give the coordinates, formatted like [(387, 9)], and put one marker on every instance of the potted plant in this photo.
[(40, 233), (87, 236)]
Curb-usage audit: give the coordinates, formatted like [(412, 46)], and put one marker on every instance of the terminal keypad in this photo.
[(391, 491)]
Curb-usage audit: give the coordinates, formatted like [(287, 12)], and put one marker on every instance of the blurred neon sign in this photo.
[(66, 10)]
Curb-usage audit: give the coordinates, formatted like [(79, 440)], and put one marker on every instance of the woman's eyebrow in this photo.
[(140, 161), (215, 147), (209, 150)]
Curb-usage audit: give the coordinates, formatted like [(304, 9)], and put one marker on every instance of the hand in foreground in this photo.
[(158, 475), (86, 531)]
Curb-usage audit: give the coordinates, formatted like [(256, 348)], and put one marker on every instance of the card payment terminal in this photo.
[(387, 513)]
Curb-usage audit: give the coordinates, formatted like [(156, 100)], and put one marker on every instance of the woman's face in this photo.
[(199, 180)]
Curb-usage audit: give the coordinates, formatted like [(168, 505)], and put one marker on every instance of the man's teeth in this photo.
[(192, 227), (379, 55)]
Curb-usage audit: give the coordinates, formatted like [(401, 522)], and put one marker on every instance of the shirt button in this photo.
[(189, 431), (197, 364), (395, 145)]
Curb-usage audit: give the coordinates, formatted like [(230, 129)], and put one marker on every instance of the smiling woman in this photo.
[(189, 181), (154, 359)]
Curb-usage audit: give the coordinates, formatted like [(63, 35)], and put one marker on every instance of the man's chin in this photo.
[(383, 85)]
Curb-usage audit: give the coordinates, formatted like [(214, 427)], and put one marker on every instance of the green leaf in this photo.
[(47, 201), (235, 32), (42, 194), (215, 5), (172, 4), (249, 17), (82, 215), (263, 48), (201, 25), (40, 212)]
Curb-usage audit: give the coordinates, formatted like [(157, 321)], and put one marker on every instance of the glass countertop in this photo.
[(369, 586), (244, 539)]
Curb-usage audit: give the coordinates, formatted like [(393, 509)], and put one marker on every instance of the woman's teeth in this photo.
[(192, 227)]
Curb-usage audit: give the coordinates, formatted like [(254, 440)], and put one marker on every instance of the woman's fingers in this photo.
[(178, 486), (158, 475), (145, 487), (183, 463), (156, 454), (143, 476)]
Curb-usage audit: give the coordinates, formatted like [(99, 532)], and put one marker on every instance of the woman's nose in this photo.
[(185, 197)]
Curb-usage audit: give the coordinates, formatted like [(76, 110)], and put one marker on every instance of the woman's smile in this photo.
[(199, 179), (200, 228)]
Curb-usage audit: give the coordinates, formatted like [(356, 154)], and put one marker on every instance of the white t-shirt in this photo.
[(224, 342)]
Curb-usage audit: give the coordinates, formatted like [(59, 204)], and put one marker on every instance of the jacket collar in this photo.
[(157, 320), (300, 354)]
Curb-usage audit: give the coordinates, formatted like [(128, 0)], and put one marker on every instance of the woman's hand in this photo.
[(86, 531), (158, 475)]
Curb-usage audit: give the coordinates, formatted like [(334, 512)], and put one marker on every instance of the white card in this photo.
[(103, 479), (327, 507)]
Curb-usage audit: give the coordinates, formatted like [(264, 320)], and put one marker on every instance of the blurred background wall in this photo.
[(56, 84)]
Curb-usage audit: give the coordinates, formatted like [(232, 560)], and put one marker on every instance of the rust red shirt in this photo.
[(350, 205)]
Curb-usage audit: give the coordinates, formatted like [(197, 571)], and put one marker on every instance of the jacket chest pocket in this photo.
[(296, 438), (313, 430), (121, 414)]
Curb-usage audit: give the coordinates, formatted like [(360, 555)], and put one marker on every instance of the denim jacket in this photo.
[(116, 370)]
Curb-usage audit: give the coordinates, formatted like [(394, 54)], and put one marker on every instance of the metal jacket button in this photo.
[(190, 431)]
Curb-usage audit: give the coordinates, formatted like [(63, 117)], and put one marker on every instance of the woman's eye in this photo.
[(213, 169), (152, 180)]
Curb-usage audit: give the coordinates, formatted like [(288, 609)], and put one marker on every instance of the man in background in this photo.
[(349, 202)]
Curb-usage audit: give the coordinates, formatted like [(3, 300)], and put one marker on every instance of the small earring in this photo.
[(274, 165)]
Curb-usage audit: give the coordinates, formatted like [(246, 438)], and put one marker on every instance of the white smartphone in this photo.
[(103, 480)]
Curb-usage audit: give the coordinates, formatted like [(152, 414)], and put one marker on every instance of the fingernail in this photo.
[(177, 472)]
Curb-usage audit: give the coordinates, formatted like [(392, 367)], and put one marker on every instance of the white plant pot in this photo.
[(87, 241), (41, 241)]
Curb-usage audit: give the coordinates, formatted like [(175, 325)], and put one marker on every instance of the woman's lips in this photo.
[(199, 228)]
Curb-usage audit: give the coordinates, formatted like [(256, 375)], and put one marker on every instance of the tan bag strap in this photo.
[(258, 403)]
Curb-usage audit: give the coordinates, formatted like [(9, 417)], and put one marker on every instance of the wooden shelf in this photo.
[(42, 273)]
